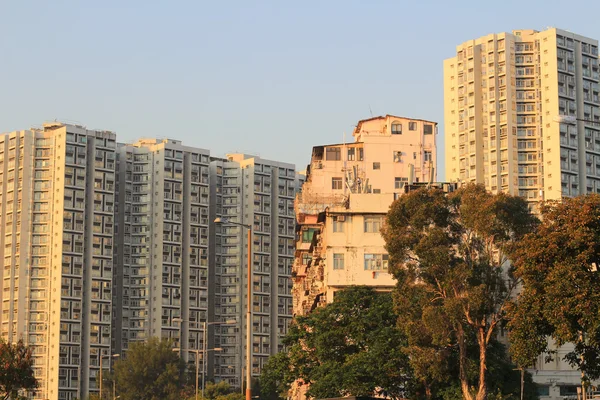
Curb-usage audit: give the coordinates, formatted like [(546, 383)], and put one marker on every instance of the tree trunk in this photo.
[(462, 363), (428, 391), (482, 391)]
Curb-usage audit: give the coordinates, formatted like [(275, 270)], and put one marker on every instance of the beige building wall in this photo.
[(342, 204), (348, 190), (57, 225), (353, 237), (253, 191), (522, 112), (161, 286), (522, 116)]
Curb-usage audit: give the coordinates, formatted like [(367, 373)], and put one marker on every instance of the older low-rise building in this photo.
[(341, 207)]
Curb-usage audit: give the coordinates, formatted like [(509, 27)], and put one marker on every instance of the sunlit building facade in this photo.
[(252, 191), (161, 283), (522, 114), (56, 221)]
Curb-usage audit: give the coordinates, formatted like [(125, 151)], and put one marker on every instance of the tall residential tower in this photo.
[(56, 228), (522, 114), (252, 191), (161, 283)]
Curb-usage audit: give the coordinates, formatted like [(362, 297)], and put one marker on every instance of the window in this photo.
[(412, 126), (376, 262), (427, 156), (307, 235), (396, 128), (399, 182), (338, 224), (543, 390), (428, 129), (360, 154), (372, 224), (376, 191), (351, 154), (338, 260), (333, 154), (306, 258), (397, 156), (336, 183), (569, 390), (376, 165)]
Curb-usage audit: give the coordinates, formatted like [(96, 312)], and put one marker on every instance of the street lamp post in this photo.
[(225, 221), (101, 368), (204, 349), (197, 351)]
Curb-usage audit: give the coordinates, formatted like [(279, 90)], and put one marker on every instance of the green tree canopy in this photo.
[(449, 254), (560, 298), (149, 371), (16, 369), (349, 347)]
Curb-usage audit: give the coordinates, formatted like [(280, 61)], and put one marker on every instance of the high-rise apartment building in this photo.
[(168, 284), (257, 192), (522, 114), (161, 283), (56, 229)]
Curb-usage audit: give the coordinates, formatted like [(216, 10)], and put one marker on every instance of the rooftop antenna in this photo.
[(371, 111)]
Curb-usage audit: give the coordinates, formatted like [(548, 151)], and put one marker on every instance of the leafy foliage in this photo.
[(16, 369), (558, 264), (276, 377), (449, 254), (349, 347), (149, 370)]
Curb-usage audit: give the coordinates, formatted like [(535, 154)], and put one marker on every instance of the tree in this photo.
[(560, 299), (149, 370), (276, 378), (449, 254), (218, 391), (16, 369), (349, 347)]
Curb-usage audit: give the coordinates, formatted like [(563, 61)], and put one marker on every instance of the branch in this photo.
[(467, 312), (488, 335)]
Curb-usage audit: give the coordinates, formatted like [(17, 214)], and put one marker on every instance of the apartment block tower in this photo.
[(161, 283), (522, 114), (56, 221), (260, 193)]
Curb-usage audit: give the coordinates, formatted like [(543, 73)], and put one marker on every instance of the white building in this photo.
[(522, 114), (252, 191), (161, 283), (57, 199)]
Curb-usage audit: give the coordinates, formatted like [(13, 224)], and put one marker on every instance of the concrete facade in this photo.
[(57, 199), (257, 192), (67, 194), (522, 116), (161, 285), (342, 204)]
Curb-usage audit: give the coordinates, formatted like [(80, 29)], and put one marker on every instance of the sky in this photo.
[(270, 78)]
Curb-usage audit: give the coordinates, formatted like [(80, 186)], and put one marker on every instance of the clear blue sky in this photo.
[(271, 78)]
